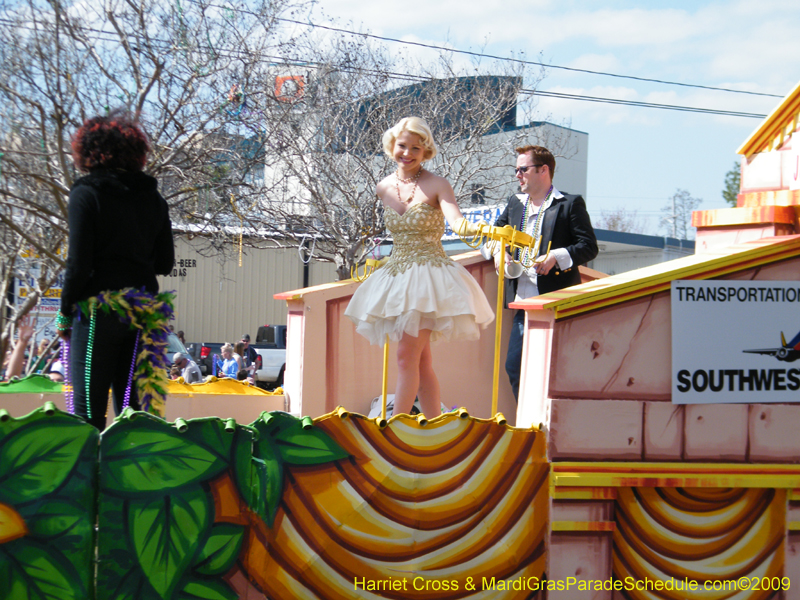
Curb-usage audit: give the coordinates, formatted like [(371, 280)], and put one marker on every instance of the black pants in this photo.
[(111, 358), (514, 356)]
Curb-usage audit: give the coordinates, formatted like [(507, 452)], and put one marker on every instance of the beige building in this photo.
[(219, 299)]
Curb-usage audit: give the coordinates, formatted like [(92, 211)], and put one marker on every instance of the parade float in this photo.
[(653, 454)]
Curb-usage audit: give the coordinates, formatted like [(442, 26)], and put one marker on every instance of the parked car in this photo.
[(269, 373), (174, 345), (203, 353), (271, 336), (271, 348)]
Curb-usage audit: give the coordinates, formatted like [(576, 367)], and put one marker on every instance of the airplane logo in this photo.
[(787, 352)]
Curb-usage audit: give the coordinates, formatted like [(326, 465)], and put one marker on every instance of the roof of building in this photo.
[(657, 278), (778, 127)]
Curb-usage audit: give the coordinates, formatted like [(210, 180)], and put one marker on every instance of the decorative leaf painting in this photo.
[(48, 465), (288, 509), (281, 509), (175, 503)]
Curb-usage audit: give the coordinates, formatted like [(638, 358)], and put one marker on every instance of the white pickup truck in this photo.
[(271, 348), (273, 364)]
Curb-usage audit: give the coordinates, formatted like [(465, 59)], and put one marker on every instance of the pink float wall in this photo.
[(328, 364), (603, 390)]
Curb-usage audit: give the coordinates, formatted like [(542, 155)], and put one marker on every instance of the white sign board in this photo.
[(487, 214), (44, 313), (735, 341)]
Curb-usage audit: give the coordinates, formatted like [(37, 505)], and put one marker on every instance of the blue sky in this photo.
[(637, 157)]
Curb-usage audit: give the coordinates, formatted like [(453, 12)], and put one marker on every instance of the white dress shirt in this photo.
[(527, 286)]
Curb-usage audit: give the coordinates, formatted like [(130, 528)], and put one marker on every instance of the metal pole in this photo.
[(498, 330), (385, 378)]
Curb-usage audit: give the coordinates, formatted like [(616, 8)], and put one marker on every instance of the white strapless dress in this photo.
[(420, 287)]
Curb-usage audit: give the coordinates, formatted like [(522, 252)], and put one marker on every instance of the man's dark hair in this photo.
[(542, 156), (113, 141)]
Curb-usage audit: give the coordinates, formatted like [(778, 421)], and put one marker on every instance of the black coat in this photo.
[(567, 225), (119, 235)]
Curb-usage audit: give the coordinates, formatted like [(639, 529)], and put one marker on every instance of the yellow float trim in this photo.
[(583, 526), (658, 278), (771, 198), (744, 215), (574, 475), (780, 123), (220, 386), (584, 493), (414, 421)]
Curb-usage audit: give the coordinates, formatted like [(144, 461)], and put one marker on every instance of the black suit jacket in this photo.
[(567, 225)]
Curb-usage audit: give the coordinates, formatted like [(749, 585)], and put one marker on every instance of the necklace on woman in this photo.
[(399, 180)]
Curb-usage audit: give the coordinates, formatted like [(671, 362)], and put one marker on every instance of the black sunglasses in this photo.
[(525, 169)]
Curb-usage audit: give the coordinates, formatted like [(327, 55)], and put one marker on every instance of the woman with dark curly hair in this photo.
[(120, 238)]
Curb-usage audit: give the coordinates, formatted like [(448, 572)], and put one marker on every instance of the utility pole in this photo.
[(674, 219)]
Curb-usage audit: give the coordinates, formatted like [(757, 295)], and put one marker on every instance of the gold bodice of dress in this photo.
[(417, 235)]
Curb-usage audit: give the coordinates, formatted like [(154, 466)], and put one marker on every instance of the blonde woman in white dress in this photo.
[(420, 295)]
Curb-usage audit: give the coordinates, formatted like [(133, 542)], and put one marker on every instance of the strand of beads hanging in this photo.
[(399, 180), (89, 345), (67, 377), (63, 322), (539, 216), (126, 402)]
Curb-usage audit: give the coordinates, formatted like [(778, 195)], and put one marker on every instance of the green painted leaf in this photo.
[(34, 571), (35, 459), (210, 433), (7, 571), (220, 550), (11, 425), (243, 474), (272, 476), (242, 454), (131, 586), (259, 476), (296, 446), (203, 589), (57, 518), (118, 570), (166, 533), (299, 446), (151, 456), (279, 420), (267, 487)]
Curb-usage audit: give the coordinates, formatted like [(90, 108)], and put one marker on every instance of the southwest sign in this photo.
[(735, 341)]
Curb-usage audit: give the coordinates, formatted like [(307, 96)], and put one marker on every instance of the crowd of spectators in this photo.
[(237, 361), (25, 358)]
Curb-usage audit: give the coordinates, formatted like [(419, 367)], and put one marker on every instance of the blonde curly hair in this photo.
[(412, 125)]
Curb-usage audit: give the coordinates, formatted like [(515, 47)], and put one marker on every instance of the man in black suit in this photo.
[(560, 220)]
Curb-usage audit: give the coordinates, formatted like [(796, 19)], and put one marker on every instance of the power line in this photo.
[(408, 77), (640, 104), (495, 57), (524, 62)]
